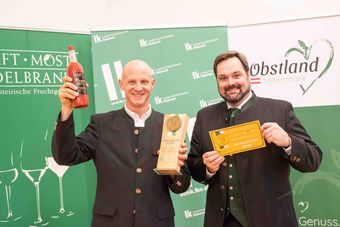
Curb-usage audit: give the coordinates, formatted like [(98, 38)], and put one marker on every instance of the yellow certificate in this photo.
[(237, 139)]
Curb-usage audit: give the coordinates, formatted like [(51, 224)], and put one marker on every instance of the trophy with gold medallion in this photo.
[(173, 135)]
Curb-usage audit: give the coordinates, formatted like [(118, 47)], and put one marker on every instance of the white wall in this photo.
[(81, 15)]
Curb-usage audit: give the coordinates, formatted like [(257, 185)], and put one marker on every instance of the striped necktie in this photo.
[(232, 112)]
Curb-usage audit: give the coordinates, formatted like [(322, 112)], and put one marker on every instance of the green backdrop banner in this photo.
[(34, 191), (181, 60)]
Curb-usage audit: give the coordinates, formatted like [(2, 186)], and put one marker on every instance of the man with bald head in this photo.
[(123, 145)]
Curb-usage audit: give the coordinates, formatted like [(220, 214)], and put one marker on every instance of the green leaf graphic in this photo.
[(305, 49), (292, 50)]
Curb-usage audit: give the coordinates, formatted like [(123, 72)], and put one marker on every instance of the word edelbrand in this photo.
[(32, 67)]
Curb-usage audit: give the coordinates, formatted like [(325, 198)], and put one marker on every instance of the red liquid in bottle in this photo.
[(76, 72)]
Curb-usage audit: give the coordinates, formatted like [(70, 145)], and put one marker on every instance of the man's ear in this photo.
[(121, 85), (153, 83)]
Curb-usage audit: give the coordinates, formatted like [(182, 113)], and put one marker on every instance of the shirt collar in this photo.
[(139, 121)]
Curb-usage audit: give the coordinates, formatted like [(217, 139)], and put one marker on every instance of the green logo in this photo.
[(305, 51)]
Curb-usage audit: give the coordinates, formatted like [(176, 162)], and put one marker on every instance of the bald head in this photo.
[(137, 82), (136, 67)]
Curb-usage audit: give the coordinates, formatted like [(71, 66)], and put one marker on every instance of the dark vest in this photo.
[(235, 203)]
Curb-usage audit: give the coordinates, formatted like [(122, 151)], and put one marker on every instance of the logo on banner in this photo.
[(303, 206), (99, 39), (193, 46), (150, 42), (193, 213), (31, 72), (161, 100), (115, 96), (205, 103), (315, 221), (198, 75), (194, 189), (164, 69), (303, 65)]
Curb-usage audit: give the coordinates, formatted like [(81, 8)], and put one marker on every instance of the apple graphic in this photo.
[(319, 47)]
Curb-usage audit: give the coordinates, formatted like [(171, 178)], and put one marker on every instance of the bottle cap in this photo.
[(70, 48)]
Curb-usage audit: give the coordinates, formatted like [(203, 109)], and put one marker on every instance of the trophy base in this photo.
[(167, 171)]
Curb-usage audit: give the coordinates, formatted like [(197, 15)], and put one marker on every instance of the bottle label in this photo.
[(79, 81)]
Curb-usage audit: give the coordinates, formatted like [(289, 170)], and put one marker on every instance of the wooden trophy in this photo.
[(173, 135)]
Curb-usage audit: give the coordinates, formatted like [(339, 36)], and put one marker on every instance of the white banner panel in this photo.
[(298, 61), (294, 60)]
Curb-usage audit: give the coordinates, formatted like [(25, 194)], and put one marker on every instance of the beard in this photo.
[(239, 97)]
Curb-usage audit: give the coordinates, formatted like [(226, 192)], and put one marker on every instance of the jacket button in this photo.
[(139, 170), (138, 191), (222, 187), (225, 164), (179, 184), (136, 150), (136, 132)]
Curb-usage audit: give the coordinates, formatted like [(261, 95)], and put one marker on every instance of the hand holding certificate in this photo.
[(237, 139)]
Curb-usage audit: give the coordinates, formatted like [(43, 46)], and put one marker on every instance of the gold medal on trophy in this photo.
[(173, 135), (173, 123)]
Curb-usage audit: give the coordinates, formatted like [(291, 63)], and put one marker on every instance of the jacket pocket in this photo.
[(104, 209)]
